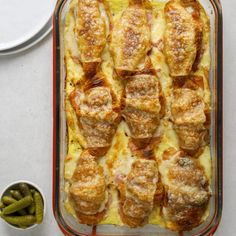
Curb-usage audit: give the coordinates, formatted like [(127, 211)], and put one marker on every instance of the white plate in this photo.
[(21, 20)]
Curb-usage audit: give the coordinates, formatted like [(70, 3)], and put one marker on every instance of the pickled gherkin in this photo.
[(32, 191), (31, 208), (27, 192), (18, 205), (38, 207), (21, 221), (25, 189), (16, 194), (9, 200), (2, 205)]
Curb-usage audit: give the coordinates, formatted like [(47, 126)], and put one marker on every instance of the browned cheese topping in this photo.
[(187, 192), (183, 36), (91, 35), (130, 38), (188, 114), (97, 119), (88, 189), (139, 191), (142, 106)]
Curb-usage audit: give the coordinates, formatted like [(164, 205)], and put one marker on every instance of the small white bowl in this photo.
[(14, 185)]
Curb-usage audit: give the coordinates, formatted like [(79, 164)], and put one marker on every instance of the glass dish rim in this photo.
[(210, 229)]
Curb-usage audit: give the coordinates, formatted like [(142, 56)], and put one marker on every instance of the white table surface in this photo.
[(26, 125)]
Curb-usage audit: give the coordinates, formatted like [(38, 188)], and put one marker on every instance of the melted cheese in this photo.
[(119, 159)]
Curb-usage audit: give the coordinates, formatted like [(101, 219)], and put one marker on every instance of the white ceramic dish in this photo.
[(33, 185)]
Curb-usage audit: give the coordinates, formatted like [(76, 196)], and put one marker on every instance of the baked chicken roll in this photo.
[(189, 118), (187, 191), (142, 106), (88, 192), (97, 114), (90, 31), (138, 192), (183, 36), (130, 38)]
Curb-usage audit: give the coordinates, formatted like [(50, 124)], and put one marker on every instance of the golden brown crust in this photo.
[(144, 148), (91, 68), (187, 192), (159, 194), (141, 181), (97, 115), (186, 218), (191, 82), (129, 220), (142, 106), (88, 190), (195, 11), (137, 193), (183, 36), (130, 39), (91, 35), (91, 219), (187, 107), (189, 118), (191, 138), (136, 2)]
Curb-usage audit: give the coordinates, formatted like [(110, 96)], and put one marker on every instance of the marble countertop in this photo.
[(26, 125)]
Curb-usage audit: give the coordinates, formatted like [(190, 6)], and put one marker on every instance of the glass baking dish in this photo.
[(66, 222)]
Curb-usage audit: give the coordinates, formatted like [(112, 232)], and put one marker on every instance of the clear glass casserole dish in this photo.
[(66, 222)]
